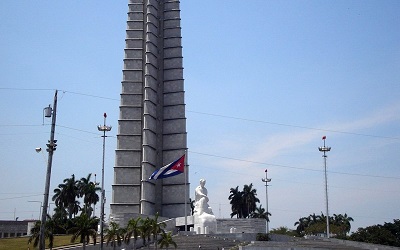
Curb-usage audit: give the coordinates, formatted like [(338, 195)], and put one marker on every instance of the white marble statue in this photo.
[(201, 200), (205, 221)]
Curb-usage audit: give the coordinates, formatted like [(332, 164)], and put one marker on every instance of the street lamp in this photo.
[(325, 149), (104, 128), (266, 180)]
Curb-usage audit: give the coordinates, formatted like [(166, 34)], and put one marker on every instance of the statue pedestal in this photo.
[(205, 223)]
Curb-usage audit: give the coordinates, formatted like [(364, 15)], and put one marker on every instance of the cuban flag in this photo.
[(171, 169)]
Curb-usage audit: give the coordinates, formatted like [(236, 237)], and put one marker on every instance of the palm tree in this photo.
[(343, 223), (88, 190), (48, 233), (250, 199), (235, 198), (302, 224), (260, 212), (156, 228), (65, 196), (314, 219), (166, 240), (347, 222), (114, 234), (145, 230), (85, 228), (132, 229)]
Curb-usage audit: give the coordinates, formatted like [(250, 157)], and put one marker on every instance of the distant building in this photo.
[(12, 228)]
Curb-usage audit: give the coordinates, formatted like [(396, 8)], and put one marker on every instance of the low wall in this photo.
[(252, 225)]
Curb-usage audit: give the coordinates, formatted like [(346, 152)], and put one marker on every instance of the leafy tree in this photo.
[(114, 234), (85, 228), (376, 234), (133, 229), (394, 228), (284, 231), (166, 240)]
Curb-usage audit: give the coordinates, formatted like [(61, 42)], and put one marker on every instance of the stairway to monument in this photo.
[(203, 242), (314, 244)]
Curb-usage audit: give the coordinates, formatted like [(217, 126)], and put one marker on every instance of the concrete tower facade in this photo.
[(152, 122)]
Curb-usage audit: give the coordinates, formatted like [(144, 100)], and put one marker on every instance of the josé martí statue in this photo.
[(204, 219)]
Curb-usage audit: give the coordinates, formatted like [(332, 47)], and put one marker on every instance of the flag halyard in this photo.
[(169, 170)]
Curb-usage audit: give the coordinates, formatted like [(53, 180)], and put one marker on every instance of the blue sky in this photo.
[(264, 81)]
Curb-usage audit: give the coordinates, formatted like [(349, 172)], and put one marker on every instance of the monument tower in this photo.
[(152, 122)]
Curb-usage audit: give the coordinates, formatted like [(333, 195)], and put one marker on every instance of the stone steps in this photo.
[(203, 242)]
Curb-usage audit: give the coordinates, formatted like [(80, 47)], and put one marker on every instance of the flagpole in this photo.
[(185, 170)]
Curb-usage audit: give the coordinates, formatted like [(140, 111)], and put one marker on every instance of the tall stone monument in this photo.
[(152, 122)]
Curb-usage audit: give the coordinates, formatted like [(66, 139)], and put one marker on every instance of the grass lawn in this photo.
[(21, 243)]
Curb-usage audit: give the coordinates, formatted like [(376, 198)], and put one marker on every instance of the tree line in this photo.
[(73, 214), (244, 205), (313, 224)]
